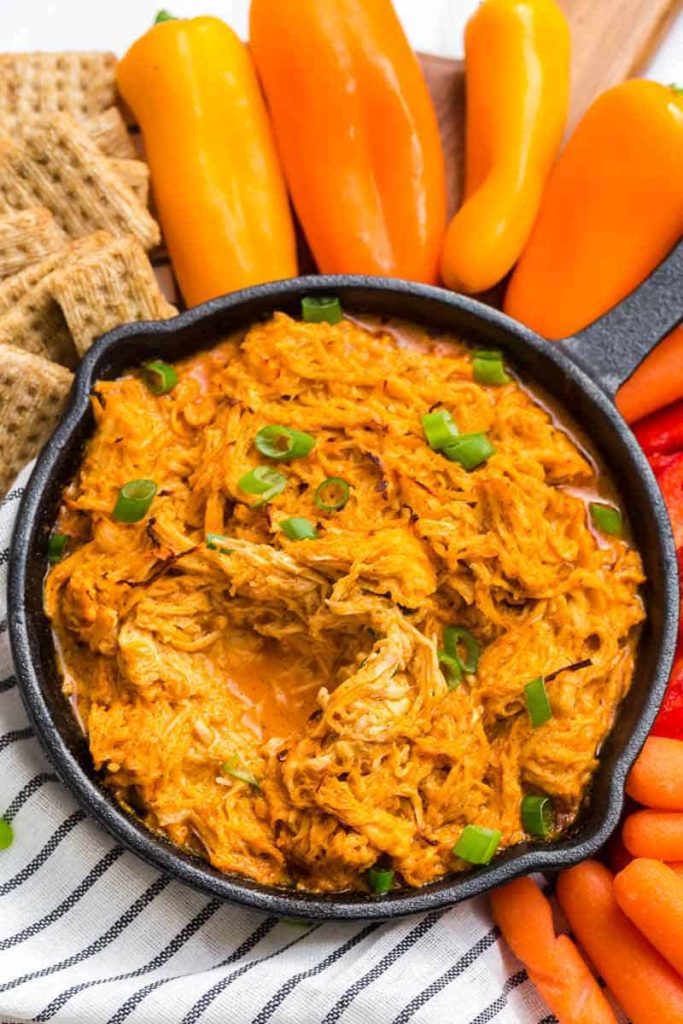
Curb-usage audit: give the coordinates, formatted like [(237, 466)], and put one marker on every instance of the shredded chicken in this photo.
[(312, 665)]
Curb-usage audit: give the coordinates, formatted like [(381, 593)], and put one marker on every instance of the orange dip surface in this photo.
[(279, 706)]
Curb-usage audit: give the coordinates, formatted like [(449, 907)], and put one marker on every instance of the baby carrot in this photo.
[(656, 778), (651, 895), (657, 834), (657, 382), (647, 987), (525, 918), (553, 964)]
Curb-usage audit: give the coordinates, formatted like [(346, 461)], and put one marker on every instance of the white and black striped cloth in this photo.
[(91, 935)]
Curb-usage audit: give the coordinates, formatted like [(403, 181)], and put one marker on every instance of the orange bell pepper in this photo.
[(517, 55), (357, 134), (217, 183), (612, 210)]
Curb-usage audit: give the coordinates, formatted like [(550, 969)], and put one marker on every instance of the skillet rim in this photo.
[(516, 861)]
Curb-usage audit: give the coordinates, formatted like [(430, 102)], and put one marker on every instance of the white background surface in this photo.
[(432, 25)]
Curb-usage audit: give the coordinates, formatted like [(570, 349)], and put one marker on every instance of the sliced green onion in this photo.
[(217, 542), (6, 834), (159, 377), (231, 767), (488, 368), (283, 443), (264, 481), (381, 880), (439, 429), (538, 702), (606, 518), (452, 669), (455, 635), (163, 15), (55, 547), (477, 844), (470, 450), (321, 309), (133, 501), (538, 817), (298, 528), (332, 494)]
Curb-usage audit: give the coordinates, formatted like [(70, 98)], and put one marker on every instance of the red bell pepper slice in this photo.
[(661, 432), (669, 721), (669, 471)]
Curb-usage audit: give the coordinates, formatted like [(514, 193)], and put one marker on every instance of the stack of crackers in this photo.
[(75, 231)]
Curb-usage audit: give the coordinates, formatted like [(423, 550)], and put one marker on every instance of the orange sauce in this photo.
[(276, 695)]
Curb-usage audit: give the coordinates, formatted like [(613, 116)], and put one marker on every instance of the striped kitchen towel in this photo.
[(89, 934)]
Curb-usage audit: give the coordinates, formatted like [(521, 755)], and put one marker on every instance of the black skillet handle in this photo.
[(612, 347)]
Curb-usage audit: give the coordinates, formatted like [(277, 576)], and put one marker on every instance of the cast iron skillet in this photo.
[(582, 374)]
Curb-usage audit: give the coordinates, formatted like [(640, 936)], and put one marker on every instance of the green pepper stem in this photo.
[(164, 15)]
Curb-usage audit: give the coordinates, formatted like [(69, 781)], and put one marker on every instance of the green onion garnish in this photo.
[(538, 817), (332, 494), (325, 308), (381, 880), (455, 635), (477, 844), (55, 547), (488, 368), (439, 429), (470, 450), (606, 518), (283, 443), (133, 501), (231, 767), (6, 834), (159, 377), (264, 481), (217, 542), (298, 528), (537, 702), (452, 668)]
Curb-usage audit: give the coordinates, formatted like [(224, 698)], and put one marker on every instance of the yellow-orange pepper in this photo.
[(517, 56), (612, 210), (357, 134), (216, 178)]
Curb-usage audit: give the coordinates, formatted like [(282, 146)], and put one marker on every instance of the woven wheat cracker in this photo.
[(31, 318), (109, 132), (57, 165), (26, 238), (36, 325), (32, 395), (112, 287), (35, 84), (14, 288), (135, 173)]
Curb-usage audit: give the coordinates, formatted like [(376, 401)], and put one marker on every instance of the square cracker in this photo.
[(13, 289), (33, 393), (108, 288), (37, 325), (57, 165), (109, 132), (135, 173), (35, 84), (26, 237), (30, 316)]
